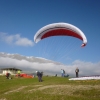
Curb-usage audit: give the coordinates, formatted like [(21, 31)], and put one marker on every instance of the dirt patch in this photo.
[(38, 86), (17, 90), (22, 87), (64, 89), (56, 89), (3, 99)]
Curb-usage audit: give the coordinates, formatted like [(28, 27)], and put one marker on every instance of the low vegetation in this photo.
[(52, 88)]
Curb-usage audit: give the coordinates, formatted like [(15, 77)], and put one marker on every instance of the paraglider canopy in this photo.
[(60, 29)]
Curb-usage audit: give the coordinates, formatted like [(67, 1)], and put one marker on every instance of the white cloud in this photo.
[(24, 42), (86, 68), (15, 39)]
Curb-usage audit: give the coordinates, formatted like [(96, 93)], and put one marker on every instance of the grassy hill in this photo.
[(52, 88)]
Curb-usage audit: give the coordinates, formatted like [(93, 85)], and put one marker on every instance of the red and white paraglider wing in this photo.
[(57, 29)]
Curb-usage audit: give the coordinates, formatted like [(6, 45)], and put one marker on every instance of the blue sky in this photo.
[(21, 19)]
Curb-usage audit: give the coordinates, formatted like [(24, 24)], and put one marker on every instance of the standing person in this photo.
[(62, 73), (39, 74), (77, 71), (42, 75), (7, 75), (18, 73)]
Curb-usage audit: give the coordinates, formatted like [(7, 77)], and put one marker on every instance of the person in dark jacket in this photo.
[(7, 75), (77, 71), (39, 74)]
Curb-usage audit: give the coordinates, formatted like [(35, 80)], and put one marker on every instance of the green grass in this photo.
[(52, 88)]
